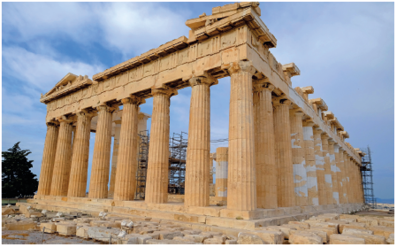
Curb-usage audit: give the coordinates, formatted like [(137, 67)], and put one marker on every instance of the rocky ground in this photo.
[(25, 225)]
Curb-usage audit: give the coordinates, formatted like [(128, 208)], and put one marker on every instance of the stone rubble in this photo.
[(325, 228)]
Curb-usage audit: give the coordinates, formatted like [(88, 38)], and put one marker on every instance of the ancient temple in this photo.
[(287, 154)]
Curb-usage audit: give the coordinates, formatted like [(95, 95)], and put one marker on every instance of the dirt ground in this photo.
[(36, 237), (376, 213)]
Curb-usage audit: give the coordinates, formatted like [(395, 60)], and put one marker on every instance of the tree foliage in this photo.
[(17, 178)]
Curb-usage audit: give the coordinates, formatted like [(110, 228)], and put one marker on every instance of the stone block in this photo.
[(348, 220), (48, 227), (301, 224), (102, 233), (143, 239), (169, 235), (346, 239), (322, 234), (166, 241), (386, 223), (82, 231), (349, 216), (21, 225), (381, 230), (196, 238), (270, 237), (303, 237), (354, 225), (389, 218), (34, 215), (284, 230), (66, 229), (191, 232), (231, 242), (354, 231), (6, 211), (214, 240), (247, 238), (368, 221), (391, 239)]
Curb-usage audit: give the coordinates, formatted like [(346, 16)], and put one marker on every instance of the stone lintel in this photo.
[(344, 134), (320, 103), (329, 115)]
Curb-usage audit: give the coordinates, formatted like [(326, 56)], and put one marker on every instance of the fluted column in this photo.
[(320, 169), (125, 181), (309, 148), (98, 185), (198, 149), (158, 159), (338, 173), (60, 177), (333, 168), (266, 171), (327, 167), (79, 164), (221, 172), (345, 177), (114, 158), (283, 154), (355, 181), (241, 193), (361, 191), (298, 156), (47, 164)]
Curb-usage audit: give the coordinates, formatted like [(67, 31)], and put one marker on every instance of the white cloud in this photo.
[(41, 71), (124, 27)]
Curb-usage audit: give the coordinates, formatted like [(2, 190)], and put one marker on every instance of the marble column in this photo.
[(298, 156), (338, 160), (327, 167), (47, 164), (221, 172), (125, 181), (198, 149), (320, 169), (345, 177), (61, 173), (158, 159), (114, 158), (266, 171), (283, 154), (79, 164), (333, 168), (361, 191), (241, 194), (309, 149), (98, 185)]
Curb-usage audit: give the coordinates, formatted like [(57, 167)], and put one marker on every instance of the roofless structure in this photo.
[(287, 154)]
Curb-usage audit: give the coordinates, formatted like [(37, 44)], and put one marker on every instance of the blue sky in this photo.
[(344, 50)]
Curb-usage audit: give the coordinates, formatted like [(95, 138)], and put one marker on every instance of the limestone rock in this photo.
[(166, 241), (354, 225), (303, 237), (102, 234), (196, 238), (322, 234), (301, 224), (214, 240), (21, 225), (246, 238), (82, 231), (48, 227), (6, 211), (169, 235), (270, 237), (381, 230), (391, 239), (66, 229), (346, 239), (353, 231), (386, 223)]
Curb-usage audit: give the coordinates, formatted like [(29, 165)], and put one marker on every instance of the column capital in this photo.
[(281, 101), (297, 112), (317, 130), (308, 122), (261, 85), (85, 113), (324, 136), (245, 66), (202, 80), (65, 119), (108, 108), (52, 123), (165, 91), (133, 100)]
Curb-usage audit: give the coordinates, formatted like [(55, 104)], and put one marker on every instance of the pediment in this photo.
[(66, 85)]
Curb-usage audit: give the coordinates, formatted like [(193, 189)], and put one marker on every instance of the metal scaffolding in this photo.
[(177, 162), (367, 178), (142, 164)]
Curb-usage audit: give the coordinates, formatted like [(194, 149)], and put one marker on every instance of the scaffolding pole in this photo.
[(367, 179)]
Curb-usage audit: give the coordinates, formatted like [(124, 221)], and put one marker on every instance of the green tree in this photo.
[(17, 178)]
